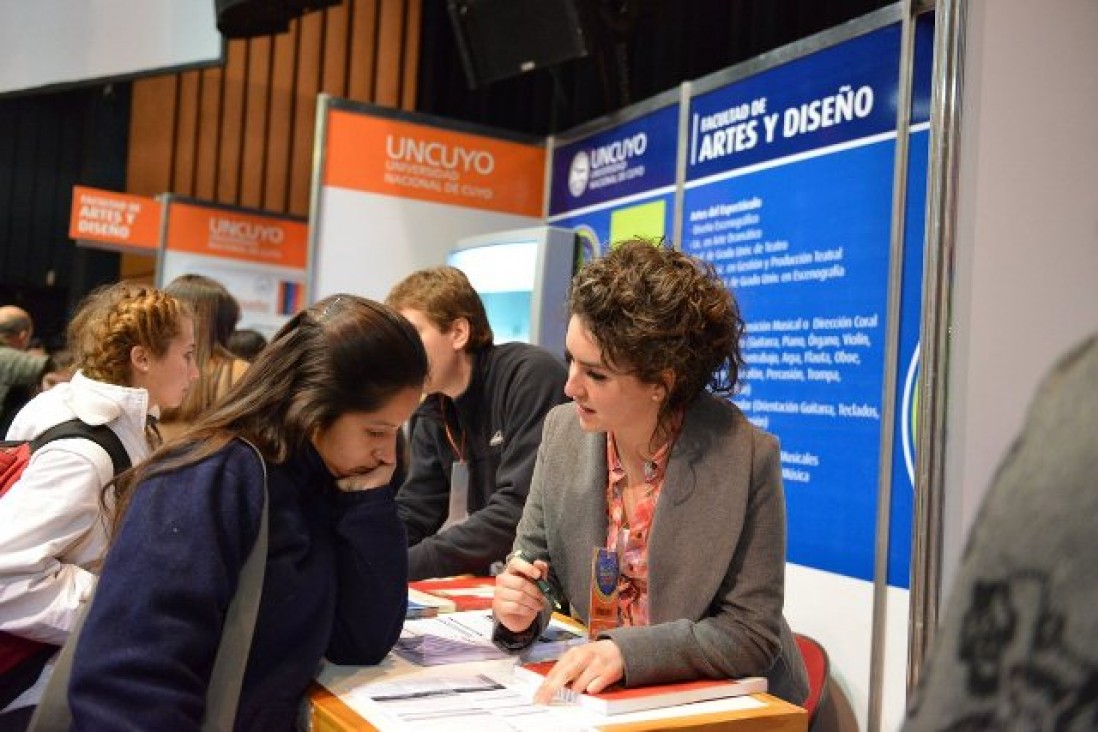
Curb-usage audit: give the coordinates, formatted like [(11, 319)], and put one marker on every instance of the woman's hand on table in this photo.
[(589, 668)]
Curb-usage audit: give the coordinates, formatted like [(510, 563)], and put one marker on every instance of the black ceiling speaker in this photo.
[(249, 18), (300, 7), (498, 39)]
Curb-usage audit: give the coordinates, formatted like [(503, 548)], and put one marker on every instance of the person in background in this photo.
[(216, 314), (475, 436), (134, 347), (669, 485), (64, 361), (323, 404), (22, 373), (246, 343), (1018, 645)]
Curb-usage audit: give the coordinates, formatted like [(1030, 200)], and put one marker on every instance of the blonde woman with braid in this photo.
[(134, 349)]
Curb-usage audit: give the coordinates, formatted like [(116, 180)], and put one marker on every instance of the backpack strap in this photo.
[(227, 676), (223, 687), (100, 434)]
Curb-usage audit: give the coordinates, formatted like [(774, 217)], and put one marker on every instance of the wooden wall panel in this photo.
[(413, 16), (185, 133), (231, 130), (255, 127), (310, 54), (390, 61), (243, 134), (363, 55), (152, 116), (208, 135), (333, 72), (280, 112)]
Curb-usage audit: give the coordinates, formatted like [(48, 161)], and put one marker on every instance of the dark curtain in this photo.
[(637, 48), (49, 143)]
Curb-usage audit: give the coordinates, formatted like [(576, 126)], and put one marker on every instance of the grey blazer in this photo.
[(716, 548)]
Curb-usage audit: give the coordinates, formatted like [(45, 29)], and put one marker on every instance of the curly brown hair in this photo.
[(113, 319), (444, 294), (652, 309)]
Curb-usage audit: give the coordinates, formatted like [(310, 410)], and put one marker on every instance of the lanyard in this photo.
[(458, 450)]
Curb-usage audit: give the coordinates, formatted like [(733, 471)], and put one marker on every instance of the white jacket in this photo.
[(52, 532)]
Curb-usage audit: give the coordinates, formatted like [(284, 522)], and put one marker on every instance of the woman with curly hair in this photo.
[(667, 484), (134, 350)]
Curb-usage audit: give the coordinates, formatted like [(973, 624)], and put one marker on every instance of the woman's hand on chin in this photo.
[(378, 477)]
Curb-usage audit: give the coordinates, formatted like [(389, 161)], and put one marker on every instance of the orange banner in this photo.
[(121, 219), (409, 160), (218, 232)]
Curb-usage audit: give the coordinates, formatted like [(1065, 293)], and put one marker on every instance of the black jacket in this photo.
[(499, 417)]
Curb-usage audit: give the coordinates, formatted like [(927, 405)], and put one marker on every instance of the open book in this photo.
[(467, 636), (619, 700)]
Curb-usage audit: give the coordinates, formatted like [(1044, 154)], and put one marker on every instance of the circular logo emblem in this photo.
[(579, 173)]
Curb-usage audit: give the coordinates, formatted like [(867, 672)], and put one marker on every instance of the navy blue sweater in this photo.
[(335, 586)]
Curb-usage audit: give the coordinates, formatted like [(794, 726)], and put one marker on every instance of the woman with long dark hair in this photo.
[(323, 404), (216, 313)]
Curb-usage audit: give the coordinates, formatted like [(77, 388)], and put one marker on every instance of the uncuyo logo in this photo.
[(579, 173), (245, 232), (909, 414)]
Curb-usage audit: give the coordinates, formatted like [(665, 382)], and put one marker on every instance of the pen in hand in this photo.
[(543, 585)]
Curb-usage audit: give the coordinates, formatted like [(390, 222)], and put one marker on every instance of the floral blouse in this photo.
[(630, 539)]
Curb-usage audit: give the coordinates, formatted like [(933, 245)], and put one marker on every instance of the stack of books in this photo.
[(454, 594)]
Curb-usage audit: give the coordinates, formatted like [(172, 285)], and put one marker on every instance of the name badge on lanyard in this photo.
[(459, 475), (605, 570), (459, 494)]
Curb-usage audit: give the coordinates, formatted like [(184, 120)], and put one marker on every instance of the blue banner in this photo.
[(634, 157), (843, 93), (803, 243), (804, 247)]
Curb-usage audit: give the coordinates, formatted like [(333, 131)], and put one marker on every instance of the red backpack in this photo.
[(22, 659)]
